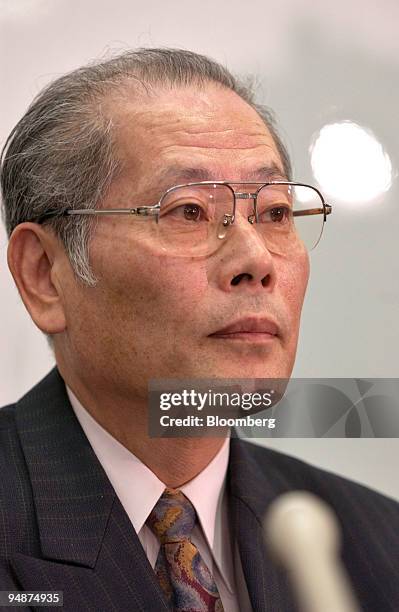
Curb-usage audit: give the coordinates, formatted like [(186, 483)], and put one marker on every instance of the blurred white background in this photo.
[(316, 64)]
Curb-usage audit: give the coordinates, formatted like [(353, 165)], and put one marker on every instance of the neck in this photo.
[(174, 461)]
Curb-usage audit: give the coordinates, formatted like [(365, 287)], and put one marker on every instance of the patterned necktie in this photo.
[(184, 578)]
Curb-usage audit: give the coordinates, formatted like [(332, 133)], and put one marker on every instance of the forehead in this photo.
[(208, 130)]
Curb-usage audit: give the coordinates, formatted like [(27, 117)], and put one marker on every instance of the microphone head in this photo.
[(300, 525)]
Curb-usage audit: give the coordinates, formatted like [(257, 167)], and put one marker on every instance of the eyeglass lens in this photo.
[(191, 218)]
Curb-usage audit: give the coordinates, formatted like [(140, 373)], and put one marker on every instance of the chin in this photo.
[(248, 371)]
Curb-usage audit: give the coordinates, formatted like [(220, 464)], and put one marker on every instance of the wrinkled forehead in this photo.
[(210, 128)]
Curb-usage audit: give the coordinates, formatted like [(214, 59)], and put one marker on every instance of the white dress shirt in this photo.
[(139, 489)]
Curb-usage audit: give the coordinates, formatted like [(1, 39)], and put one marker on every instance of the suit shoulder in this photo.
[(10, 449), (17, 523), (334, 488), (368, 521), (7, 416), (8, 436)]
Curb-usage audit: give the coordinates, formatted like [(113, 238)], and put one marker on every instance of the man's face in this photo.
[(153, 315)]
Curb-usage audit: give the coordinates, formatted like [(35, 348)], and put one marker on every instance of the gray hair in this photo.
[(61, 154)]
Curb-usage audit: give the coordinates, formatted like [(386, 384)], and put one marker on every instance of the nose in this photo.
[(244, 261)]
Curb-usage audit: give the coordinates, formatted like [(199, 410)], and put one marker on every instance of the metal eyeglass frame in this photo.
[(228, 219)]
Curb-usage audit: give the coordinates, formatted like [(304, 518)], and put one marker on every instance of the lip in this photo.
[(255, 329)]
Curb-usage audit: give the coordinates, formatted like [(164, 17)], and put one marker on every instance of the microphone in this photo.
[(303, 534)]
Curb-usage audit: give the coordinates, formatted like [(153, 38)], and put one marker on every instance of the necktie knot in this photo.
[(173, 517)]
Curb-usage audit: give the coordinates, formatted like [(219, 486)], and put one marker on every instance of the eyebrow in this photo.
[(180, 174)]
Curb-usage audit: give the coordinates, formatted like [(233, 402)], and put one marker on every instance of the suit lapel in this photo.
[(122, 578), (251, 491), (89, 547)]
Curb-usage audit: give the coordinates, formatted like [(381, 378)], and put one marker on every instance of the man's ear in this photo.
[(34, 256)]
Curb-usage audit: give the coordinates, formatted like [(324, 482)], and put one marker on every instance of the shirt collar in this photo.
[(139, 489), (205, 491)]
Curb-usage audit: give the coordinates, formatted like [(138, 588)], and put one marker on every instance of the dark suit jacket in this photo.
[(63, 528)]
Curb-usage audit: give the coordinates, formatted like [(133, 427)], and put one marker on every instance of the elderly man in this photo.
[(154, 233)]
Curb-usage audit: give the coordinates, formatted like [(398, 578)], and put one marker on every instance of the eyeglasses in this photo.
[(195, 219)]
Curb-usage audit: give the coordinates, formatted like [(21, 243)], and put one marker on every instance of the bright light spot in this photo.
[(304, 195), (349, 163)]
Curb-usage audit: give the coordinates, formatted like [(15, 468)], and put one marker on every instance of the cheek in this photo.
[(292, 281), (184, 284), (152, 290)]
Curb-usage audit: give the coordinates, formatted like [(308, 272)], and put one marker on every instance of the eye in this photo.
[(184, 211), (192, 212), (280, 215)]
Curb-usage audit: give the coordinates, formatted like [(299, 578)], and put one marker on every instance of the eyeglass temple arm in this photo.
[(327, 210), (140, 210)]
